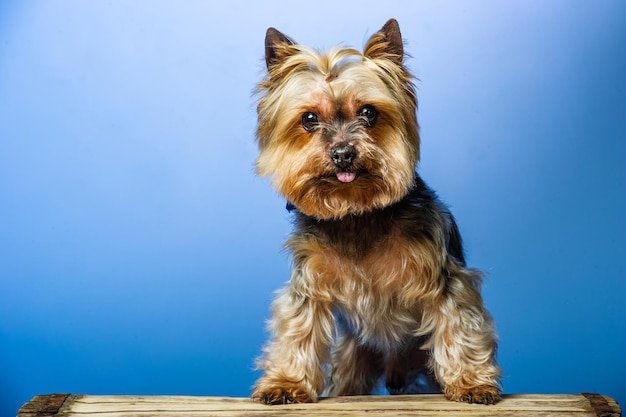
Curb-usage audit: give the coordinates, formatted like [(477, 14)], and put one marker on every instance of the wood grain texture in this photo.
[(371, 406)]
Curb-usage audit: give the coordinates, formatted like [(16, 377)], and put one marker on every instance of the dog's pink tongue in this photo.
[(346, 176)]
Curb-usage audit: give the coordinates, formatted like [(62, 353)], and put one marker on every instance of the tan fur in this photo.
[(379, 286)]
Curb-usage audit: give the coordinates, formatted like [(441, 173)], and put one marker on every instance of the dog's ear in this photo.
[(386, 43), (276, 47)]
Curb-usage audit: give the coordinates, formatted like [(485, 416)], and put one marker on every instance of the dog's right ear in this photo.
[(276, 47)]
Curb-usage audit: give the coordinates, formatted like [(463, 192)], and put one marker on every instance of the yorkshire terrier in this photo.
[(379, 287)]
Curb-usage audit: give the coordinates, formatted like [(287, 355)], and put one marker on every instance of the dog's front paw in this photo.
[(483, 394), (271, 398), (286, 393)]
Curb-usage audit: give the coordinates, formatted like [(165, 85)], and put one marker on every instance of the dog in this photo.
[(379, 287)]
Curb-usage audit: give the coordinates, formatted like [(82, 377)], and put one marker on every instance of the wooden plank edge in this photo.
[(603, 406), (46, 405)]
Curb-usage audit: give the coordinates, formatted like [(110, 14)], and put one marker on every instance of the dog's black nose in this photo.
[(343, 155)]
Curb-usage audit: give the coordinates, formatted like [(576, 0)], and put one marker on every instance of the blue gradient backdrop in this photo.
[(139, 252)]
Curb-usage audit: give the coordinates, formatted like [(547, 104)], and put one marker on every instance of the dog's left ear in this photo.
[(386, 43), (275, 47)]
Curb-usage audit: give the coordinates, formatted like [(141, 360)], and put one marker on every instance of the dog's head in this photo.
[(337, 131)]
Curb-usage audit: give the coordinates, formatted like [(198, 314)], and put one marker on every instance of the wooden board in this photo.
[(66, 405)]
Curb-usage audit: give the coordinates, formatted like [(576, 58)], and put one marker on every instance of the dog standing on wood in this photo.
[(379, 287)]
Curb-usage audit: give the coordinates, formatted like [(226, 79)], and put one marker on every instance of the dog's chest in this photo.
[(368, 293), (375, 270), (376, 322)]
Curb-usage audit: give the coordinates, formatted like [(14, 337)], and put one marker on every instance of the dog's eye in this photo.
[(310, 121), (369, 114)]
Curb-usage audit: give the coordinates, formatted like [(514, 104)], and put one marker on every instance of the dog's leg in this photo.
[(463, 341), (293, 359), (356, 369)]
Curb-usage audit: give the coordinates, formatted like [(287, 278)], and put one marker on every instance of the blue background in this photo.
[(139, 252)]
